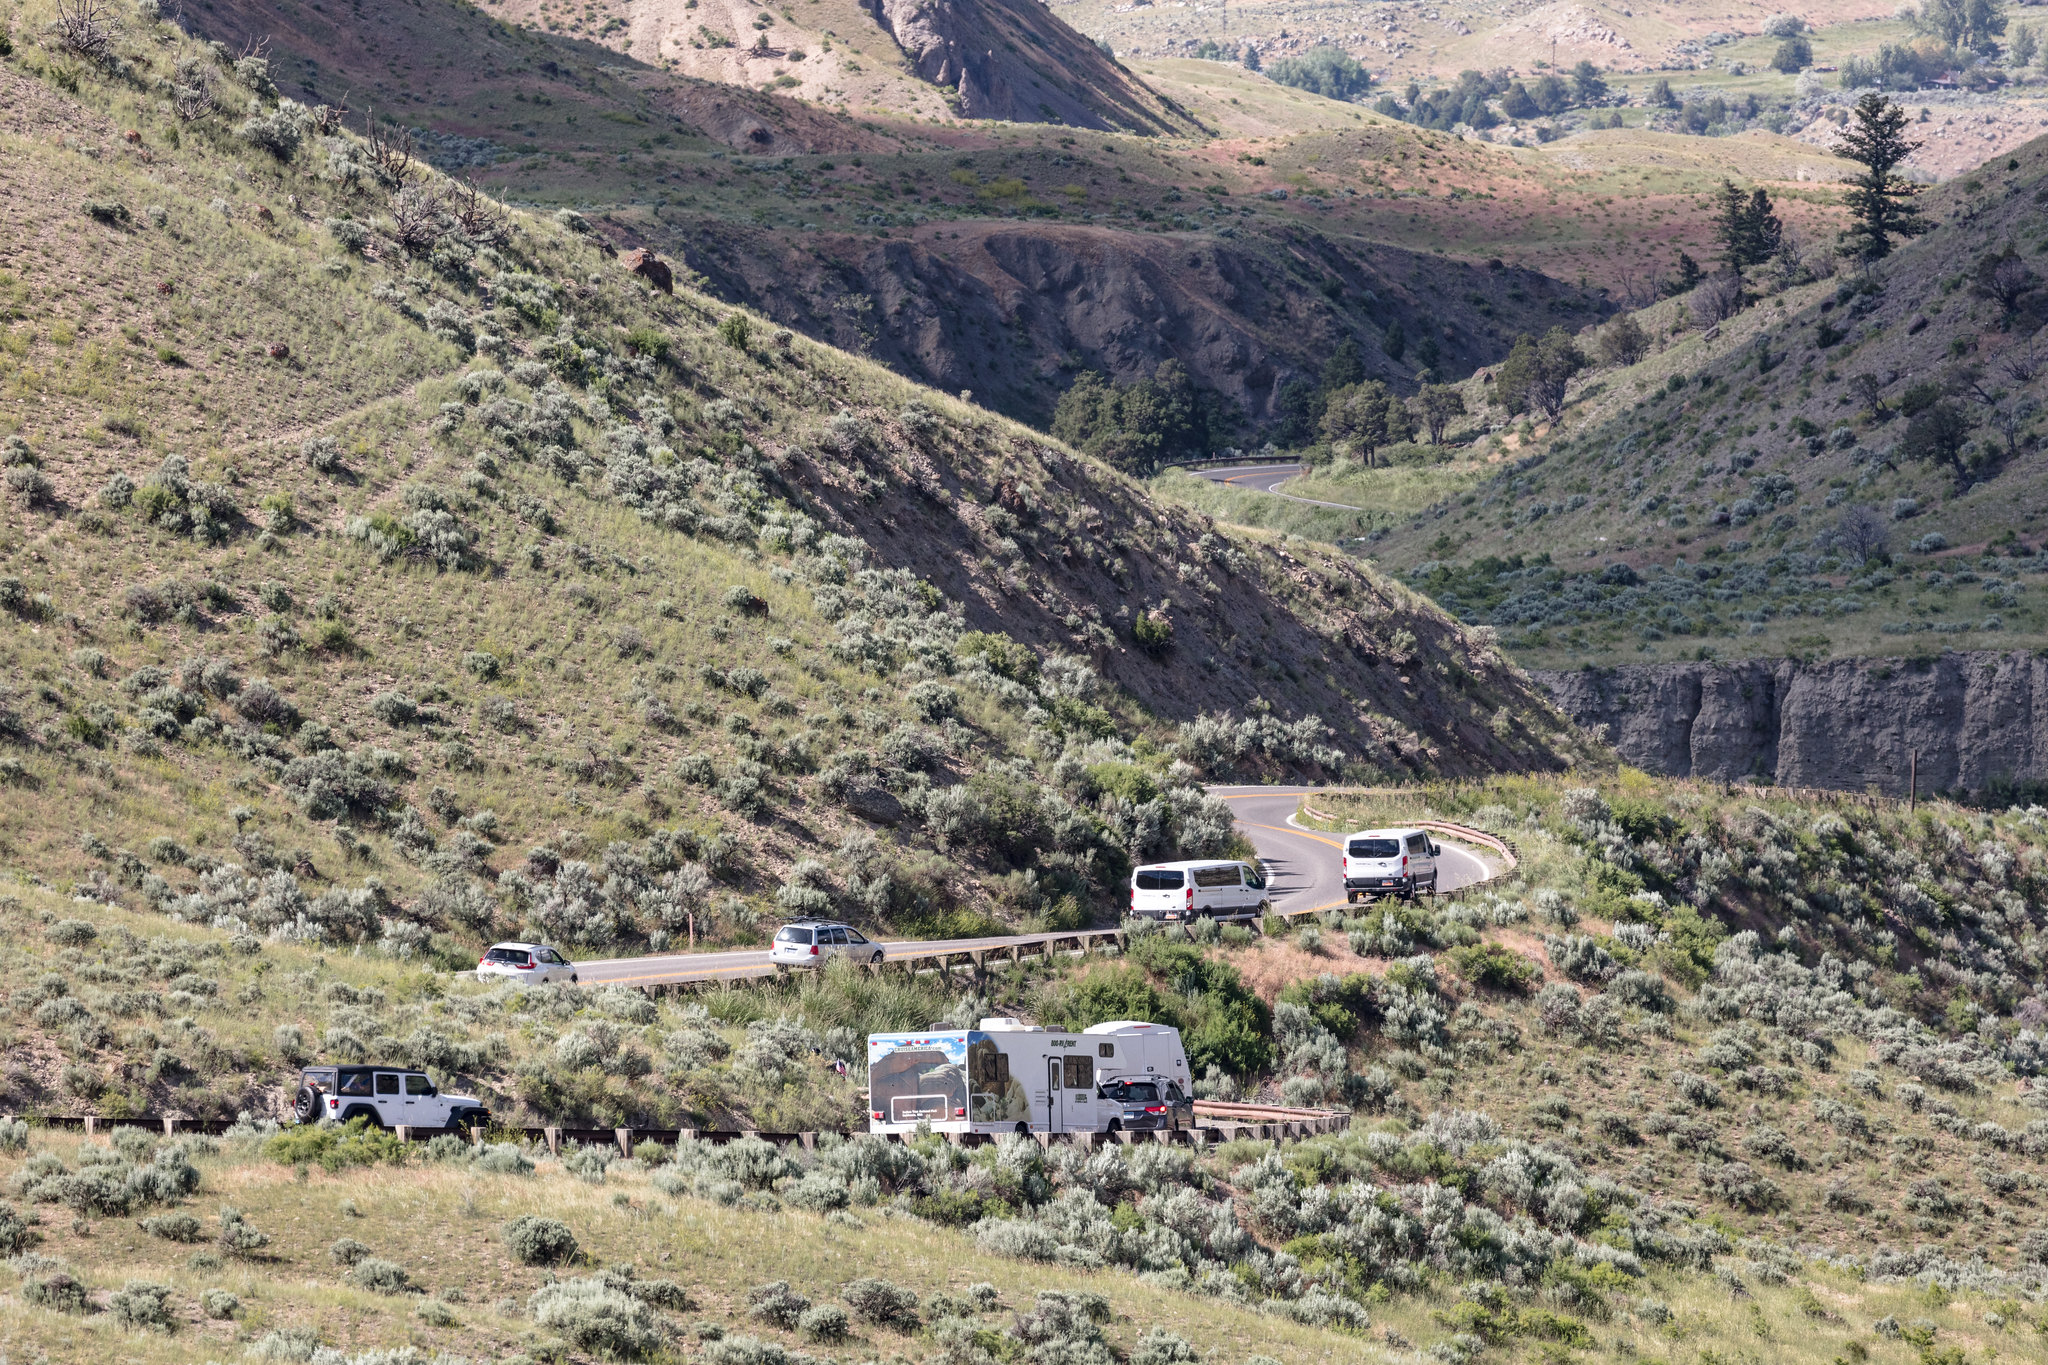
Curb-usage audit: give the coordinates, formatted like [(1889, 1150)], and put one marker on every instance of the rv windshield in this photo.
[(916, 1083)]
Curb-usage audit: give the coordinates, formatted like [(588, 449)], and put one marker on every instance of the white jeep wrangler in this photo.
[(385, 1095)]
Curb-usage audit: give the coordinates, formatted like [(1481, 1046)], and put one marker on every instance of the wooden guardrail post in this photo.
[(625, 1139), (554, 1140)]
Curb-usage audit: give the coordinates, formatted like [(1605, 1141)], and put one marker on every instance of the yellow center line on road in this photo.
[(1301, 833)]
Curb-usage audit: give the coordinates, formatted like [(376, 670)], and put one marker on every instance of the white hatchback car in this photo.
[(809, 942), (528, 963)]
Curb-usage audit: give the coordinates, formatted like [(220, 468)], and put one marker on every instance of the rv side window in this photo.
[(1080, 1073), (1217, 876), (987, 1068), (1105, 1049)]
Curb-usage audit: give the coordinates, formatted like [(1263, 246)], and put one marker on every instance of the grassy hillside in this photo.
[(438, 590), (1713, 1074), (1707, 498)]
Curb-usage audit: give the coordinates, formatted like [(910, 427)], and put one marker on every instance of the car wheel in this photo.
[(363, 1111), (876, 960), (1351, 898), (572, 978), (306, 1105), (1116, 1125)]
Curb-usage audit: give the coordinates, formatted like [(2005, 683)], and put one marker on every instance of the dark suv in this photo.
[(1142, 1106)]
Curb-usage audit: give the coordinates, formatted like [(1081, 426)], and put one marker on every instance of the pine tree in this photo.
[(1880, 203), (1748, 231)]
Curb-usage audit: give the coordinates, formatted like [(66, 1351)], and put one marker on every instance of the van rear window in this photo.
[(1375, 848), (1154, 879), (794, 936)]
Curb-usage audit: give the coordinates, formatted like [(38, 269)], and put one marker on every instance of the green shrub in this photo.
[(220, 1304), (333, 1147), (57, 1292), (776, 1302), (175, 1227), (380, 1276), (736, 330), (1494, 965), (824, 1322), (143, 1304), (881, 1303), (348, 1251), (534, 1240), (598, 1315)]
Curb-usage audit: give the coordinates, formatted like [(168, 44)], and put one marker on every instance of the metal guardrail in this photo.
[(1268, 1124), (942, 959)]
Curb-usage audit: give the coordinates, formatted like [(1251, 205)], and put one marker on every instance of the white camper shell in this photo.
[(1007, 1076), (1176, 893)]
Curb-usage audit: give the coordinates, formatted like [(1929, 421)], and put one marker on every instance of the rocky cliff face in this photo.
[(1010, 309), (1978, 721), (1013, 60)]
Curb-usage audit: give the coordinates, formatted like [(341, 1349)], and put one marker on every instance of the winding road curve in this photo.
[(1304, 865), (1266, 478)]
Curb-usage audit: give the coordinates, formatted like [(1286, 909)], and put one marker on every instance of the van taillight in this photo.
[(1404, 862), (1191, 895)]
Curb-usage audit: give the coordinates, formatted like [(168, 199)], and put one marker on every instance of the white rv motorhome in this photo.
[(1007, 1076)]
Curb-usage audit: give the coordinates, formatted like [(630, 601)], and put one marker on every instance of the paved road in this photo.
[(1303, 864), (1304, 867), (1266, 478), (645, 971)]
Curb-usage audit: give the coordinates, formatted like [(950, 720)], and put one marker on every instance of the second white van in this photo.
[(1180, 892), (1389, 862)]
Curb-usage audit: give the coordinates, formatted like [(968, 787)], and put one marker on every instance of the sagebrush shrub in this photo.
[(142, 1304), (597, 1315), (534, 1240), (881, 1302), (58, 1292), (380, 1276), (776, 1302)]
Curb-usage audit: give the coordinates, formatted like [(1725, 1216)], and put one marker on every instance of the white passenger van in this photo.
[(1178, 892), (1389, 862), (1006, 1076)]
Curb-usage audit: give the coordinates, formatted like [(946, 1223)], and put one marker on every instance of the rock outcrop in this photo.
[(1014, 60), (1012, 309), (1976, 721)]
